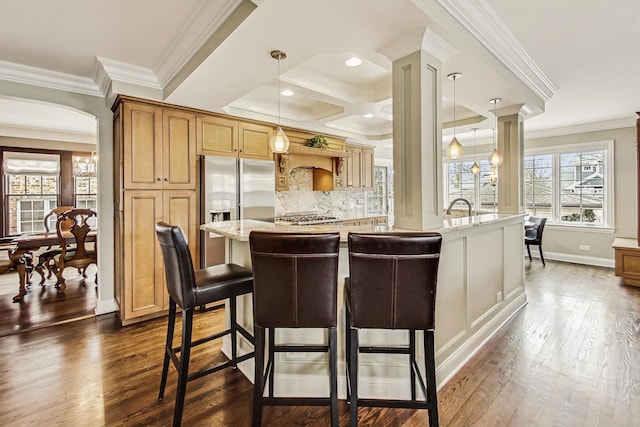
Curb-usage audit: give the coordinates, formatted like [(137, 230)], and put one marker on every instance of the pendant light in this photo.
[(475, 169), (454, 149), (279, 142), (495, 158)]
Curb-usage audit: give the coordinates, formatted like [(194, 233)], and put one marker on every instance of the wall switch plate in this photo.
[(499, 296), (585, 247)]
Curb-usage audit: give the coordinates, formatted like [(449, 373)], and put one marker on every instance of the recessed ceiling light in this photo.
[(368, 116), (354, 61), (287, 92)]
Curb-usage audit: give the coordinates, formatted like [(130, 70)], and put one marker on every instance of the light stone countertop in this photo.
[(240, 229)]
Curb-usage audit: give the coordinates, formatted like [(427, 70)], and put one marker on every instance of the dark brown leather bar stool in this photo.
[(188, 289), (392, 285), (295, 278)]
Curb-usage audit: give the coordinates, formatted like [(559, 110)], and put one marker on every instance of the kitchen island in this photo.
[(480, 287)]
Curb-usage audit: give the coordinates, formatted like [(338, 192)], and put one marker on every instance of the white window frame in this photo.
[(554, 222), (475, 203)]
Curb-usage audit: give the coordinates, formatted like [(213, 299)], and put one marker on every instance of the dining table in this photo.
[(26, 244)]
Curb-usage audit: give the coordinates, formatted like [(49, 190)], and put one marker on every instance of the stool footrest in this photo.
[(386, 350), (217, 368), (301, 348), (296, 401), (395, 403)]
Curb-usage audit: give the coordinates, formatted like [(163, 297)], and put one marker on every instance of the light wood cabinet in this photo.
[(219, 136), (144, 290), (158, 148), (155, 180), (359, 167)]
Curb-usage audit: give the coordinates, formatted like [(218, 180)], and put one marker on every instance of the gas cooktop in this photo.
[(305, 219)]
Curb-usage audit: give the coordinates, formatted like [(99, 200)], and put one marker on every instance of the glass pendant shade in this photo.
[(475, 169), (279, 142), (495, 158), (454, 149)]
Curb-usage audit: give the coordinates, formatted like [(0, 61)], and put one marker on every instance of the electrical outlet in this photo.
[(585, 247), (499, 296)]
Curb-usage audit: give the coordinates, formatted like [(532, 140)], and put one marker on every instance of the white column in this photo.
[(417, 129), (510, 173)]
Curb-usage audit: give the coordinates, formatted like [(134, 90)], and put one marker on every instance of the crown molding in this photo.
[(25, 74), (487, 27), (109, 70)]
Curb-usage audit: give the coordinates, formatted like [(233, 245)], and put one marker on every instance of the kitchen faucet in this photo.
[(459, 199)]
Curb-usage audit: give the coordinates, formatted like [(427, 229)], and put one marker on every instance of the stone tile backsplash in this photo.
[(302, 198)]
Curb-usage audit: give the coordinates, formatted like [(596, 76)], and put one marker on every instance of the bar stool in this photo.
[(188, 289), (295, 278), (392, 285)]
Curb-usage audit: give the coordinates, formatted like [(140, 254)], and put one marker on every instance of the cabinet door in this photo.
[(179, 150), (354, 166), (142, 146), (367, 169), (254, 141), (179, 208), (217, 136), (143, 286)]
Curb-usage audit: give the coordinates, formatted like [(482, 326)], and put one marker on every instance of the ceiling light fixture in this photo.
[(475, 169), (454, 149), (287, 92), (368, 116), (495, 158), (85, 166), (354, 61), (279, 142)]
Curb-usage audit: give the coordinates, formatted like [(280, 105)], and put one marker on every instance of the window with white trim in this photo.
[(461, 182), (572, 185)]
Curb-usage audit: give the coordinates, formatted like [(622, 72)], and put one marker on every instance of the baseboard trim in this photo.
[(105, 307), (575, 259)]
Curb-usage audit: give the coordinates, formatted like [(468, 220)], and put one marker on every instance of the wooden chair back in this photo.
[(77, 222), (56, 212)]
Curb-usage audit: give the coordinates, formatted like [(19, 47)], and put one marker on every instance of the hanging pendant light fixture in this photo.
[(475, 169), (495, 158), (454, 149), (279, 142)]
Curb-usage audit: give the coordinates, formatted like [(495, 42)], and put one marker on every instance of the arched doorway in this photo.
[(33, 134)]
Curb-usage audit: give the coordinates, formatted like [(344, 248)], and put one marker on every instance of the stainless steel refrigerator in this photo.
[(234, 189)]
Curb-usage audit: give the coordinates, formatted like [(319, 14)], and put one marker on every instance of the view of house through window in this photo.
[(568, 187)]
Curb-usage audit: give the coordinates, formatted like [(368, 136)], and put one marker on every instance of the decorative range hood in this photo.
[(311, 151)]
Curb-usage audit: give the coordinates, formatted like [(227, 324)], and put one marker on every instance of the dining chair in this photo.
[(189, 288), (77, 223), (46, 260), (392, 285), (295, 279), (533, 235)]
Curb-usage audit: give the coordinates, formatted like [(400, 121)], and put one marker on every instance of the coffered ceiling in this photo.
[(570, 66)]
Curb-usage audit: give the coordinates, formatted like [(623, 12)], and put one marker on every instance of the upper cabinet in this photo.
[(358, 172), (158, 148), (219, 136)]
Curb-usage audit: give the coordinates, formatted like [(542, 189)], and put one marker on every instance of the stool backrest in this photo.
[(295, 279), (393, 279), (178, 267)]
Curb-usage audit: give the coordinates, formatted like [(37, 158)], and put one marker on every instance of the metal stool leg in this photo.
[(168, 347)]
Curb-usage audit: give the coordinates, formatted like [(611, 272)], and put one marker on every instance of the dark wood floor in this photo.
[(571, 357), (43, 306)]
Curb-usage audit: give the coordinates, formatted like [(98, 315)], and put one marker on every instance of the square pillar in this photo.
[(417, 141), (510, 173)]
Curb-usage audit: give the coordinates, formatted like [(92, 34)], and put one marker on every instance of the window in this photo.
[(571, 187), (377, 198), (460, 182), (31, 190), (85, 182)]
